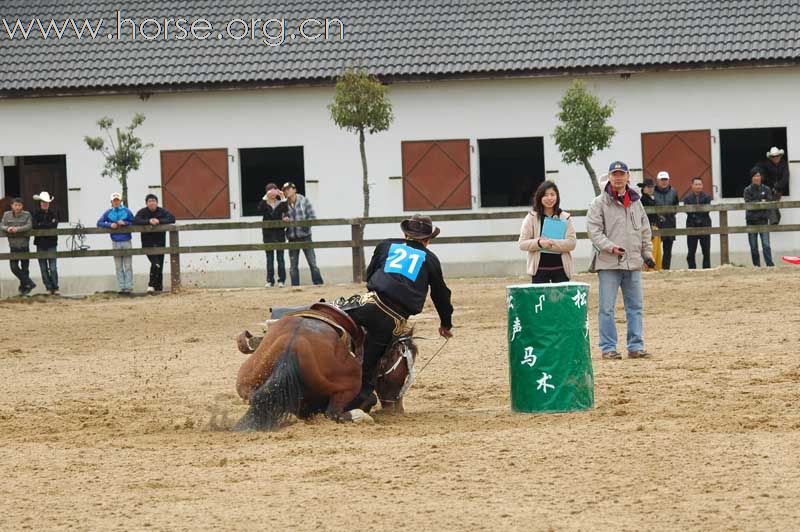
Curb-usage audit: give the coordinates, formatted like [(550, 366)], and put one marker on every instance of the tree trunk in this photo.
[(592, 176), (123, 180), (364, 168)]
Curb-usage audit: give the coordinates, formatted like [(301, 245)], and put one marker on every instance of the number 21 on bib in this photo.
[(405, 260)]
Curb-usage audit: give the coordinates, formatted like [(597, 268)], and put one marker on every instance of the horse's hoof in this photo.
[(359, 416), (243, 342)]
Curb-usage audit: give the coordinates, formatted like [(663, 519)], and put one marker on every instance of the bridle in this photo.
[(407, 355)]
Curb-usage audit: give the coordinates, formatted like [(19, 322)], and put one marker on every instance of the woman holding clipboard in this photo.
[(547, 234)]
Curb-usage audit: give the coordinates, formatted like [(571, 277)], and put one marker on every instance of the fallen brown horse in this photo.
[(302, 366)]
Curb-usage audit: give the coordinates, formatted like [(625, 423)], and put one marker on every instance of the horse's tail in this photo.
[(278, 397)]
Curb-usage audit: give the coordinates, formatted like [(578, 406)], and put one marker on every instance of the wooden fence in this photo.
[(357, 242)]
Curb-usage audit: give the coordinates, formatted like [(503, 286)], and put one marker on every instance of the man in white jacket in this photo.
[(620, 233)]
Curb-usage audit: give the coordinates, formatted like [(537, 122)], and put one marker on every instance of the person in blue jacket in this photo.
[(116, 217)]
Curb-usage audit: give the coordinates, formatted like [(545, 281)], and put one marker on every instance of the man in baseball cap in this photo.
[(664, 194), (620, 233)]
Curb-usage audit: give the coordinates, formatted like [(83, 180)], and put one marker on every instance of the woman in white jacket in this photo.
[(549, 259)]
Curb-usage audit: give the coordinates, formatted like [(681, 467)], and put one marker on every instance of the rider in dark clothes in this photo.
[(398, 278)]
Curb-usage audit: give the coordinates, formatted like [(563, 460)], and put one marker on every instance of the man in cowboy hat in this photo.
[(398, 278), (776, 176), (46, 217)]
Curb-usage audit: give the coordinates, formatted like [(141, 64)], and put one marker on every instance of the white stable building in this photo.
[(475, 85)]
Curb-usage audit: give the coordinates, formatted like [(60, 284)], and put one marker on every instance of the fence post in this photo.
[(174, 262), (724, 255), (357, 232)]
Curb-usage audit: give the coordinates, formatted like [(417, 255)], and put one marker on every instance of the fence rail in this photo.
[(357, 242)]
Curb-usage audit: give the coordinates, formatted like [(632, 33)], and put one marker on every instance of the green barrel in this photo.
[(550, 364)]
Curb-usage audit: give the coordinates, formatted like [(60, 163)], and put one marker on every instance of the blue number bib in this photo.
[(405, 260)]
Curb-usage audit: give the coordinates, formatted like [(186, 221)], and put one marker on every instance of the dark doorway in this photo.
[(11, 183), (741, 150), (510, 170), (260, 166), (33, 174)]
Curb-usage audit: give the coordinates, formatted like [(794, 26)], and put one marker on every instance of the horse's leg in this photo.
[(336, 410), (247, 343)]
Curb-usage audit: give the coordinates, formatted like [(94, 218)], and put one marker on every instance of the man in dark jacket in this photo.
[(698, 219), (398, 278), (664, 194), (775, 174), (153, 214), (757, 192), (46, 217), (647, 187), (274, 207)]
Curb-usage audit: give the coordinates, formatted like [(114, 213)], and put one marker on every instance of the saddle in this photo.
[(349, 332)]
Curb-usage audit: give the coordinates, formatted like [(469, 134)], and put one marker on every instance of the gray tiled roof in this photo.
[(398, 39)]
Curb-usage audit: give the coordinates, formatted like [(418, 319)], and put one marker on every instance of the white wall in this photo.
[(434, 110)]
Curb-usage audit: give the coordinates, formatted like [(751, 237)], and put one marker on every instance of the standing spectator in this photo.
[(775, 175), (756, 192), (274, 207), (647, 187), (549, 260), (620, 233), (119, 216), (13, 223), (664, 194), (299, 208), (696, 196), (46, 217), (152, 214)]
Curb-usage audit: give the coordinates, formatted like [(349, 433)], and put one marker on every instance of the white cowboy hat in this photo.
[(43, 196), (775, 152)]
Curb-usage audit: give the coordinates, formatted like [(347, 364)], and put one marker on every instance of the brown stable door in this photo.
[(684, 154), (194, 183), (436, 175)]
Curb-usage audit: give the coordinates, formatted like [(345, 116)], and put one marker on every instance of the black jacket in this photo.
[(776, 176), (403, 282), (156, 239), (45, 220), (667, 196), (697, 219), (756, 193), (648, 201), (280, 210)]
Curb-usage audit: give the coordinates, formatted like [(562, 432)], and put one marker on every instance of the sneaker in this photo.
[(151, 289), (613, 355), (269, 285), (55, 292), (281, 285), (638, 354)]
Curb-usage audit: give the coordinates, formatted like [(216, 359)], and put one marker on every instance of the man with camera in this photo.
[(620, 233)]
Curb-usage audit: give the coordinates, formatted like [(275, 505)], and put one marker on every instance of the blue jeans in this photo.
[(124, 265), (631, 283), (752, 239), (276, 254), (294, 263), (49, 269)]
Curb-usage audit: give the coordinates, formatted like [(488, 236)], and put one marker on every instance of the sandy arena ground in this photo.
[(113, 417)]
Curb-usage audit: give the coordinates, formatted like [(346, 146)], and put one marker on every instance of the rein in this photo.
[(408, 357)]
